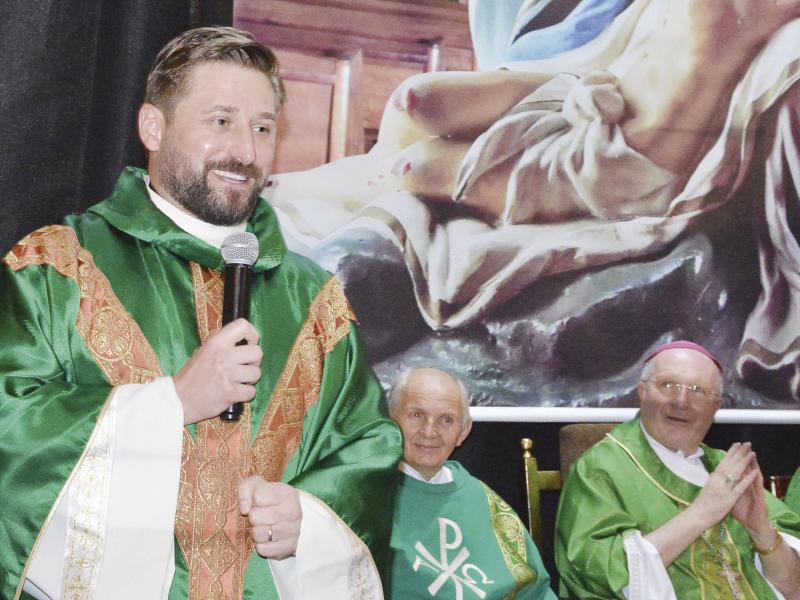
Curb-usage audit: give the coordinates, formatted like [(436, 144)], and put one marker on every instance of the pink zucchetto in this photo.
[(684, 344)]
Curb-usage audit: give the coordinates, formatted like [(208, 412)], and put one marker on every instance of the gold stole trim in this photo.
[(681, 502), (706, 564), (510, 534), (208, 293), (700, 554), (123, 354), (213, 536), (298, 387), (88, 451), (88, 513), (112, 336)]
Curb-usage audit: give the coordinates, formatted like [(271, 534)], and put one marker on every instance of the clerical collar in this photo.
[(689, 468), (443, 476), (211, 234)]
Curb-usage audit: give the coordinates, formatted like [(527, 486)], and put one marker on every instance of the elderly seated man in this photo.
[(453, 537), (652, 513)]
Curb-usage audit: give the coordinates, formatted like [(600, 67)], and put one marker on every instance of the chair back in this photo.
[(573, 440), (577, 438), (779, 485), (536, 482)]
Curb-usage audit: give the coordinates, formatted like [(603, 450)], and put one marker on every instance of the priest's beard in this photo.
[(192, 191)]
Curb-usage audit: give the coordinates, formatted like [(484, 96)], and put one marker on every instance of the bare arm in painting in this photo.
[(676, 84), (428, 124)]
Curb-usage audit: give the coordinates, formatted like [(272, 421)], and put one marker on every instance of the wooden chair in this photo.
[(573, 440), (779, 484), (536, 482)]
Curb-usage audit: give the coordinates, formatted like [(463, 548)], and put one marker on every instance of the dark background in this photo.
[(72, 81)]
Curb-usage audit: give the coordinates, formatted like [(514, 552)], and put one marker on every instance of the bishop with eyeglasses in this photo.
[(652, 513)]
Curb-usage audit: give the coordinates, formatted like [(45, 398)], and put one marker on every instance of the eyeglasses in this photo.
[(672, 389)]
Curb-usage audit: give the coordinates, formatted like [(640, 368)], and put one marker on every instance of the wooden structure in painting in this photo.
[(341, 60)]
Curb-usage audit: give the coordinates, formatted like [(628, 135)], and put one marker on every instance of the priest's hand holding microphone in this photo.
[(218, 378), (222, 373)]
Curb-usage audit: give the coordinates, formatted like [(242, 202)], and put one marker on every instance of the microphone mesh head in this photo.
[(240, 249)]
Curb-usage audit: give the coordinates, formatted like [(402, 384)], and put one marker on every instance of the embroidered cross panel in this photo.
[(212, 534), (109, 331), (298, 387), (214, 538)]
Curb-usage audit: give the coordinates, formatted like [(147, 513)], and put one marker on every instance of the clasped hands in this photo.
[(736, 487), (218, 374)]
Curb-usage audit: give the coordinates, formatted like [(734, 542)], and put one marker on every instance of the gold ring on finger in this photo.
[(269, 534)]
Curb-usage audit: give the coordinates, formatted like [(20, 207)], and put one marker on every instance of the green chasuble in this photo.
[(460, 540), (619, 486), (793, 493), (120, 295)]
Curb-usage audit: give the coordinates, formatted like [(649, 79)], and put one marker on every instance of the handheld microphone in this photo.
[(240, 252)]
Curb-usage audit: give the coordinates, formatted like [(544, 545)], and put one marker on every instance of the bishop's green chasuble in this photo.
[(793, 493), (120, 295), (460, 540), (619, 486)]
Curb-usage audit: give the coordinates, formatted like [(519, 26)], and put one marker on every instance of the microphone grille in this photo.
[(240, 249)]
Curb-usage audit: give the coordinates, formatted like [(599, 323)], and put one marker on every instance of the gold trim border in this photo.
[(298, 386), (680, 501), (511, 543), (110, 333), (64, 489), (100, 315)]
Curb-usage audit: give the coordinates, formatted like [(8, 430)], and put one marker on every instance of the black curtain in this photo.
[(71, 82)]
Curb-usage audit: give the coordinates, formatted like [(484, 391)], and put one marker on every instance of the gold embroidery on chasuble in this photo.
[(298, 386), (510, 534), (112, 336), (208, 293), (120, 349), (213, 536), (714, 559), (717, 565)]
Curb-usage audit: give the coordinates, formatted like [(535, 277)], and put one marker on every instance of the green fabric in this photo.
[(607, 496), (792, 499), (51, 389), (454, 533)]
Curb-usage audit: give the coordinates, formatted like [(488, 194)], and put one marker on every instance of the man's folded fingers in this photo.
[(266, 515), (275, 549)]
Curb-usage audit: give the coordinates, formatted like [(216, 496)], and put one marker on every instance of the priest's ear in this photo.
[(151, 126), (464, 432)]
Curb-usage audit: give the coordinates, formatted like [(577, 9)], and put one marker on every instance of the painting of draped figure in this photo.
[(616, 174)]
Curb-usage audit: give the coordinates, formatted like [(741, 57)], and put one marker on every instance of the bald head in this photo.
[(680, 392), (685, 359), (432, 409), (428, 378)]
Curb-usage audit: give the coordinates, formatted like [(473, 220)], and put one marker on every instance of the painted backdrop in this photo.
[(616, 175)]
